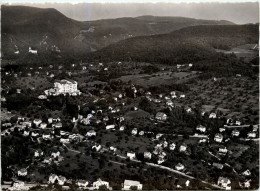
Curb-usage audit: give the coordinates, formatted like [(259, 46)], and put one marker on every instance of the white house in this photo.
[(201, 128), (18, 185), (46, 136), (179, 166), (247, 183), (247, 173), (50, 120), (165, 144), (221, 129), (32, 51), (188, 110), (160, 160), (42, 97), (22, 172), (99, 183), (53, 178), (224, 182), (62, 140), (91, 133), (96, 147), (38, 153), (43, 125), (158, 135), (183, 147), (218, 138), (161, 116), (255, 128), (238, 123), (110, 127), (37, 122), (223, 150), (122, 128), (182, 96), (251, 135), (129, 184), (141, 133), (26, 133), (55, 154), (169, 103), (131, 155), (187, 183), (147, 155), (61, 180), (134, 131), (213, 115), (47, 160), (112, 149), (172, 146)]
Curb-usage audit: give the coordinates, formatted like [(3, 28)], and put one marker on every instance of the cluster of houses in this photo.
[(61, 180), (70, 87)]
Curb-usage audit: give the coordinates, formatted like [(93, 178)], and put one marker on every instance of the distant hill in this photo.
[(47, 30), (188, 44)]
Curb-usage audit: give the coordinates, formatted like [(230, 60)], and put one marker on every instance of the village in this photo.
[(75, 118)]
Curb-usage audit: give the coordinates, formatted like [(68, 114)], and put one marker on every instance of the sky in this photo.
[(237, 12)]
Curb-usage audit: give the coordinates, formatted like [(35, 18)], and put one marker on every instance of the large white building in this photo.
[(64, 87)]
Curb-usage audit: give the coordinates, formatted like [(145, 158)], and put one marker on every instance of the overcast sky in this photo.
[(239, 13)]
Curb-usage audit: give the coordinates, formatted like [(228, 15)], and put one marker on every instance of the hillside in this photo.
[(47, 30), (189, 44)]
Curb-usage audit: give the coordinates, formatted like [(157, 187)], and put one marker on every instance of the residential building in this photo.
[(251, 135), (235, 133), (213, 115), (161, 116), (99, 183), (218, 138), (224, 182), (91, 133), (134, 131), (131, 155), (183, 147), (130, 184), (147, 155), (179, 166), (110, 127), (201, 128), (172, 146), (22, 172)]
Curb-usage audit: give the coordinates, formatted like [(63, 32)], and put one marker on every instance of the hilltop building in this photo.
[(64, 87)]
